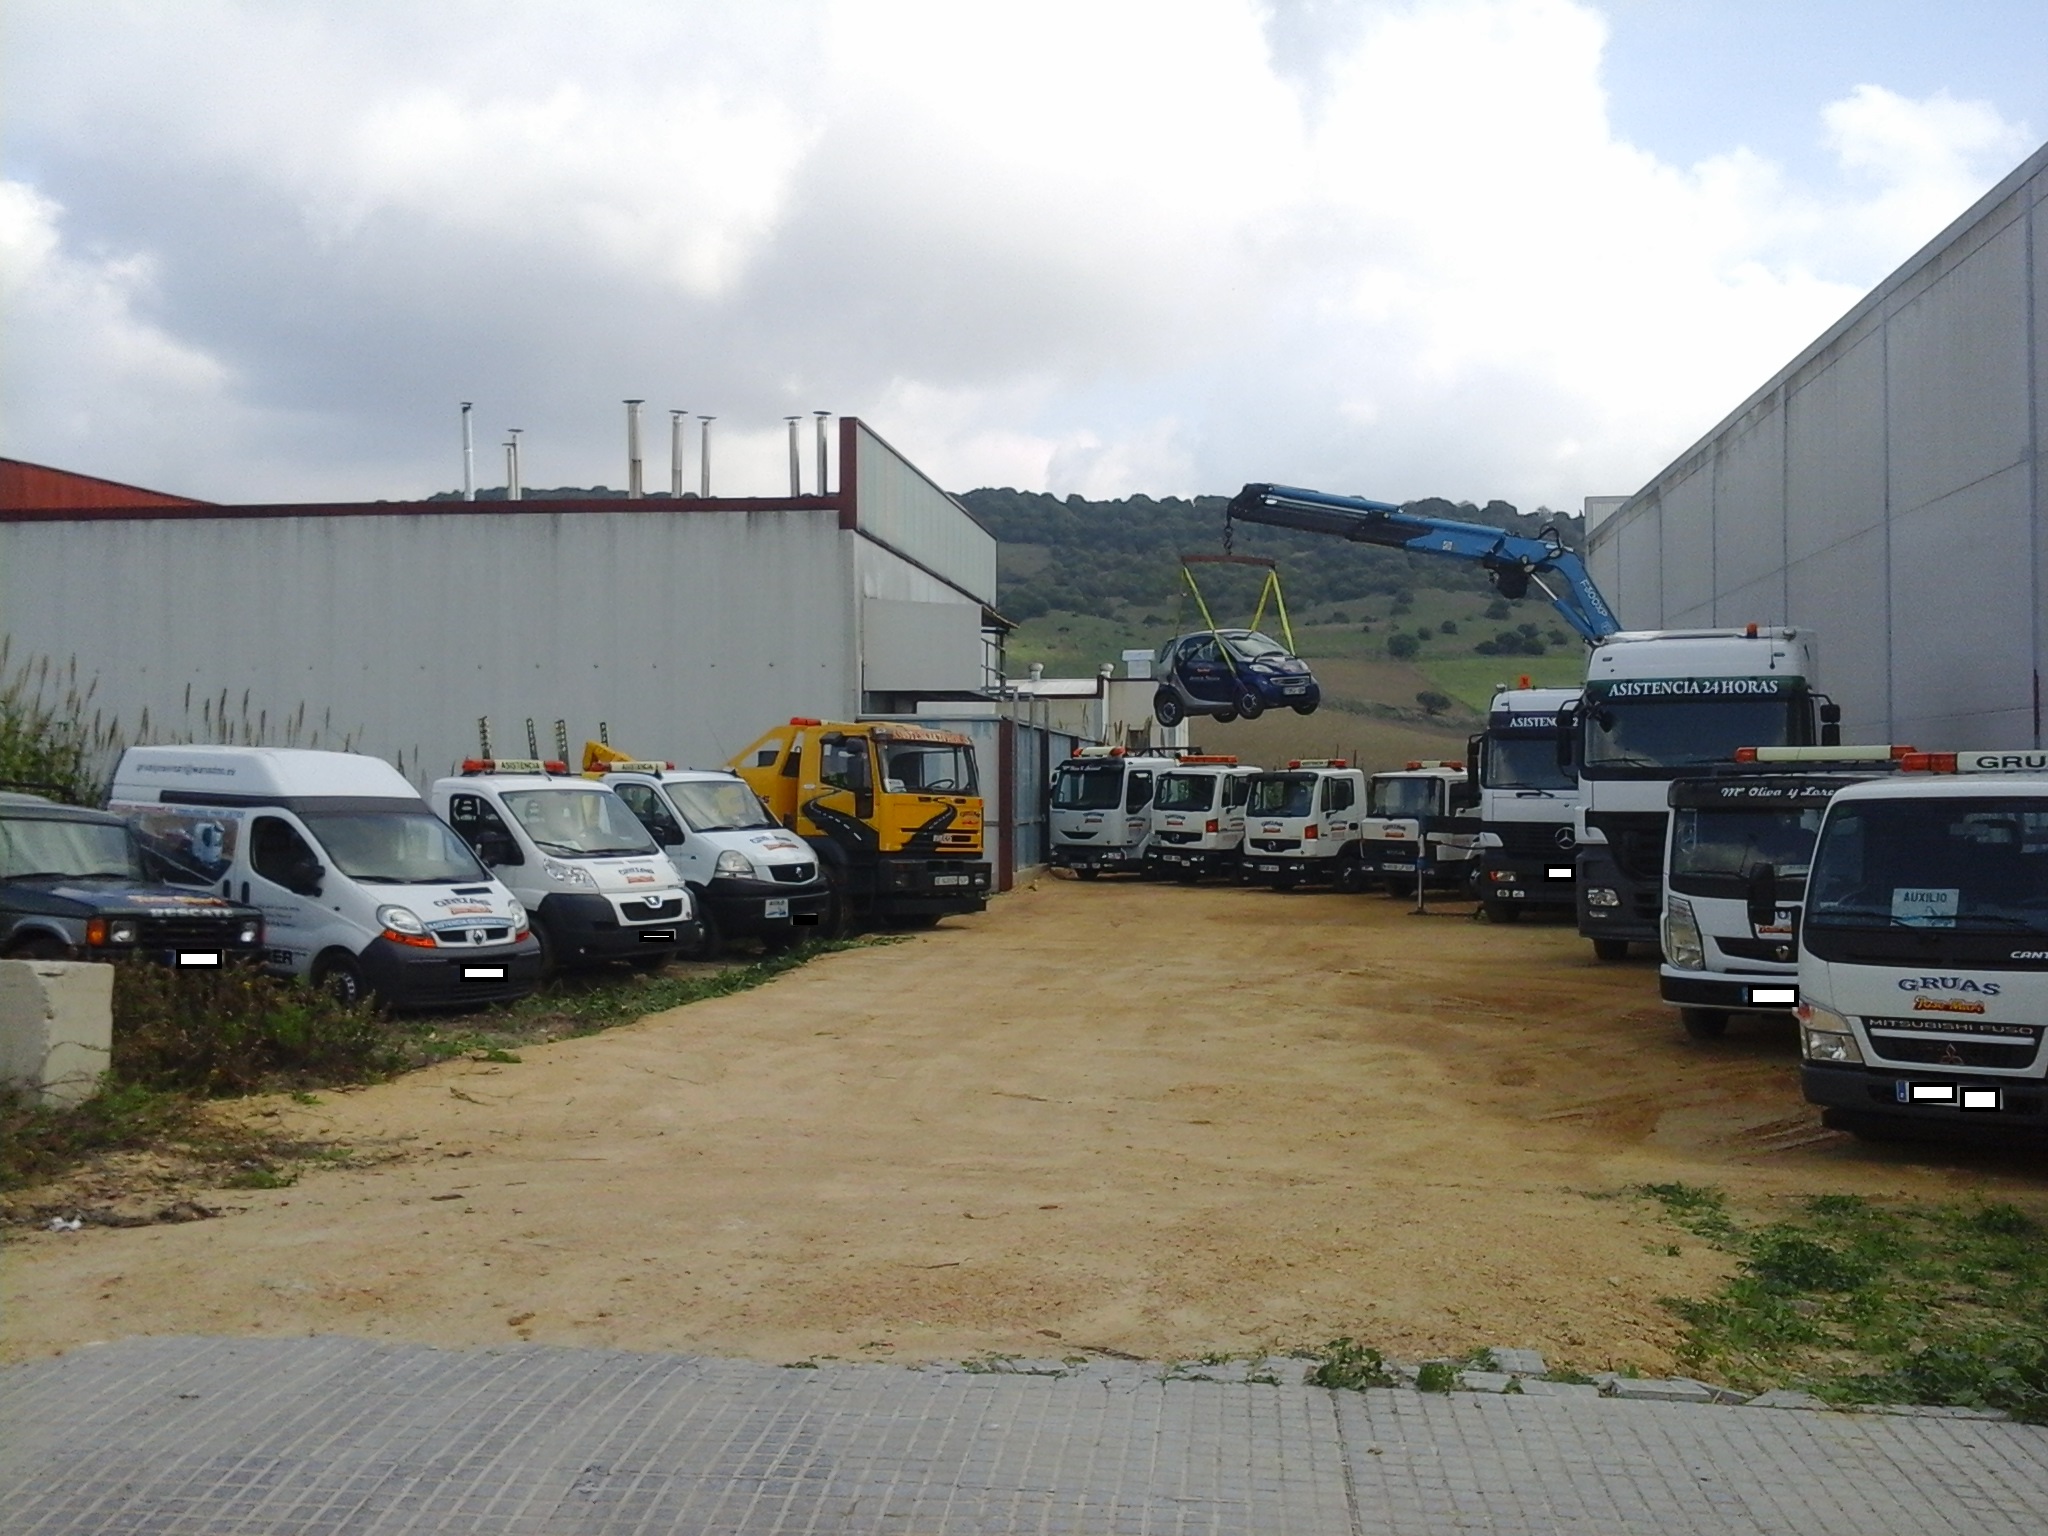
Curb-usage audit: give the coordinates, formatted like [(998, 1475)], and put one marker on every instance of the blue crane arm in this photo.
[(1512, 562)]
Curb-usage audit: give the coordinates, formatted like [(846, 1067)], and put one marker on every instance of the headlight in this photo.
[(1682, 944), (123, 930), (1824, 1035), (1602, 896), (400, 920), (252, 932), (568, 874), (733, 865), (519, 924)]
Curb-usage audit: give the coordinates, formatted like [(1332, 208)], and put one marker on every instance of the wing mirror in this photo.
[(1763, 896)]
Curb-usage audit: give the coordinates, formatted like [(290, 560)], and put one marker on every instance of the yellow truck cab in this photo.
[(893, 810)]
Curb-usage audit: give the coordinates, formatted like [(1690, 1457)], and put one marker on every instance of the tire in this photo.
[(1166, 708), (1087, 872), (40, 946), (1352, 878), (710, 942), (1305, 706), (1250, 705), (1500, 911), (1704, 1023), (339, 976), (653, 962), (1188, 875), (916, 920), (1610, 949), (1224, 716), (550, 961)]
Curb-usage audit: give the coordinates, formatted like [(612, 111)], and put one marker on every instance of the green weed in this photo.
[(1350, 1366)]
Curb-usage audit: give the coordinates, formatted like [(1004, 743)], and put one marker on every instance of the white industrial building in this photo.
[(687, 626), (1885, 489)]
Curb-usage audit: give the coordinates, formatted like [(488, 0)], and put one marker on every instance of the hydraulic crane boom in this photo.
[(1512, 561)]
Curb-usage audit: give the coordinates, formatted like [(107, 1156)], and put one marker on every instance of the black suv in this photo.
[(75, 885)]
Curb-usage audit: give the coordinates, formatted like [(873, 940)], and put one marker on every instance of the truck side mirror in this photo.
[(1763, 896), (1568, 738), (1830, 724)]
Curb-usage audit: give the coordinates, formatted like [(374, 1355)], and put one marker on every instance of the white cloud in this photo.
[(1159, 245)]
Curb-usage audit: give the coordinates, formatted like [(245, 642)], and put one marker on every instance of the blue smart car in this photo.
[(1231, 673)]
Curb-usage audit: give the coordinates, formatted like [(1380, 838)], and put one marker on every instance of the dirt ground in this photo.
[(1116, 1117)]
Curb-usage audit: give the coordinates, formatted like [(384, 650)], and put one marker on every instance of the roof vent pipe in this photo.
[(675, 454), (796, 471), (821, 415), (512, 491), (704, 455), (634, 489), (468, 457)]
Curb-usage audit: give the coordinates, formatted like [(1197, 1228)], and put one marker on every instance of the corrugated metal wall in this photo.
[(905, 511), (1886, 490)]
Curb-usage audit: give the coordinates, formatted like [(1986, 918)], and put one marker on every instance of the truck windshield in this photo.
[(1282, 794), (1088, 787), (1655, 734), (1969, 865), (1185, 792), (394, 848), (717, 805), (1713, 852), (578, 823), (925, 767), (1523, 762), (1405, 797), (78, 850)]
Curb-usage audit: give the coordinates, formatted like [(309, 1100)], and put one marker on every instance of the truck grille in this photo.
[(1635, 839), (1176, 837), (171, 932), (1756, 949), (793, 874), (1534, 839), (637, 911), (1276, 844), (1904, 1040)]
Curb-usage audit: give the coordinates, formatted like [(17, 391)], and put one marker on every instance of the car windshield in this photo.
[(394, 848), (1253, 646), (1282, 794), (1733, 843), (80, 850), (927, 767), (1687, 732), (1088, 787), (1404, 797), (1977, 865), (1186, 792), (578, 823), (719, 805), (1523, 762)]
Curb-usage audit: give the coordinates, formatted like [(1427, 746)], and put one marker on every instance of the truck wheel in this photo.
[(1610, 949), (1250, 705), (40, 946), (341, 978), (1500, 911), (1187, 874), (1086, 872), (1166, 706), (550, 962), (1704, 1023)]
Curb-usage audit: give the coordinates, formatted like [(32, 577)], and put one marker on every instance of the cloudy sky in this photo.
[(1474, 248)]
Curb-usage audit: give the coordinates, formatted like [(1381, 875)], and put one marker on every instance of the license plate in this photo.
[(1267, 869), (949, 879), (1513, 895), (777, 906), (1302, 689), (1396, 864), (483, 973), (199, 957)]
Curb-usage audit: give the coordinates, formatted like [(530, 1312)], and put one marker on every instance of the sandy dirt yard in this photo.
[(1116, 1117)]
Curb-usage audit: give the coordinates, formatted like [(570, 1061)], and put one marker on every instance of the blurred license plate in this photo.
[(1397, 864), (1302, 688), (199, 957), (949, 879), (778, 906), (483, 973)]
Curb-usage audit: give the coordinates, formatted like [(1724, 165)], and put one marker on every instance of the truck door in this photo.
[(842, 802), (651, 807), (1138, 806)]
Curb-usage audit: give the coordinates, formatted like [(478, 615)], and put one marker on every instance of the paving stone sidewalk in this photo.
[(341, 1437)]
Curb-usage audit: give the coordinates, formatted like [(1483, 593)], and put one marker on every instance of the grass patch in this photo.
[(1861, 1302), (1349, 1366)]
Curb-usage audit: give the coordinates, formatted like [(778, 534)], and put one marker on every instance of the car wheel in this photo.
[(1704, 1023), (40, 946), (1225, 716), (710, 942), (550, 961), (1250, 705), (1166, 708), (342, 979), (1500, 911), (1610, 949), (1306, 706)]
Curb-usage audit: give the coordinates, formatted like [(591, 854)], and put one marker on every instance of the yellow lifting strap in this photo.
[(1270, 591)]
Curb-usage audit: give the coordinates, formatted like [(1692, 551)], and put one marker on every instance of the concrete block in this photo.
[(1677, 1389), (1519, 1362), (1484, 1381), (1785, 1397), (1534, 1388), (56, 1028)]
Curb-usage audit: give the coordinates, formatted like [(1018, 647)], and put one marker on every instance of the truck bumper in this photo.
[(1282, 869), (1108, 861), (931, 887), (764, 909), (1705, 989), (586, 928), (1634, 910), (1527, 882), (406, 976), (1174, 860), (1949, 1105)]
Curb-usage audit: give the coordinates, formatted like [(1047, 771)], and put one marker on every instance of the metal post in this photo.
[(675, 454), (633, 487), (821, 415), (513, 492), (468, 457), (704, 455), (796, 472)]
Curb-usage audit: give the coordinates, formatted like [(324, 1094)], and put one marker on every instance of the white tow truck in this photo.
[(1740, 840), (1528, 805), (1419, 819), (1198, 817), (1301, 825), (1923, 951), (1102, 810)]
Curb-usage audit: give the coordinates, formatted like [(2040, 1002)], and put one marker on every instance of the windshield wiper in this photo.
[(59, 874), (620, 853), (561, 848)]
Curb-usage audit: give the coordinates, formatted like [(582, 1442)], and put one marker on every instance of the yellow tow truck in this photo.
[(893, 810)]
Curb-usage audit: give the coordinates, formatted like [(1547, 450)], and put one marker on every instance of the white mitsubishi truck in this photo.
[(1923, 951)]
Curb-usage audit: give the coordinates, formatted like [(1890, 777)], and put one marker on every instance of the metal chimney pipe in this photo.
[(796, 470), (821, 415), (512, 488), (468, 457), (675, 454), (704, 455), (633, 487)]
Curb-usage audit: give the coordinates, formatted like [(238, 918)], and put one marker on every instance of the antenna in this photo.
[(468, 456), (532, 741)]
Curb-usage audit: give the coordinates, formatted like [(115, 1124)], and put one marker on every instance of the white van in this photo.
[(574, 852), (1198, 817), (362, 889), (748, 875), (1301, 825)]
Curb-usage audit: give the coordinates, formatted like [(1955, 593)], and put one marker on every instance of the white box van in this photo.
[(749, 876), (1301, 825), (1198, 817), (574, 852), (362, 889)]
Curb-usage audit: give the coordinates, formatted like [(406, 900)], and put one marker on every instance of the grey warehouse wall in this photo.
[(1885, 490)]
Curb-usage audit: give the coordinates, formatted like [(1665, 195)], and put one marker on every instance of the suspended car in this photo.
[(1231, 674)]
